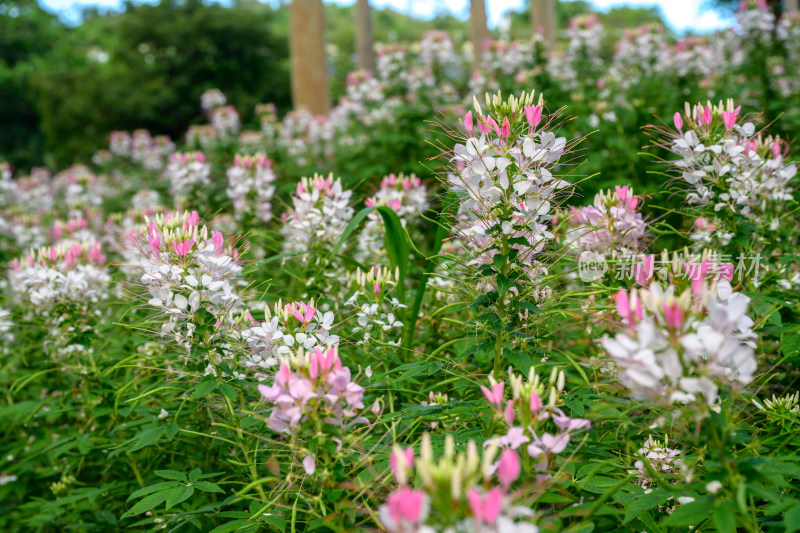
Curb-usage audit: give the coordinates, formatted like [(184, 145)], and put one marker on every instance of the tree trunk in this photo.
[(307, 53)]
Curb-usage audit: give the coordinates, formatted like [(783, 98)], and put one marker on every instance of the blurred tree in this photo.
[(147, 67), (27, 35)]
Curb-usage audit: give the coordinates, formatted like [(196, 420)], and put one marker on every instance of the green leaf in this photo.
[(521, 361), (231, 526), (194, 475), (152, 488), (724, 519), (171, 430), (449, 209), (148, 438), (203, 388), (689, 514), (351, 226), (791, 519), (147, 503), (228, 391), (171, 474), (208, 487), (396, 246), (178, 495), (275, 520)]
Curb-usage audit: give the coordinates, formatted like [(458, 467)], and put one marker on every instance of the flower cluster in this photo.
[(406, 196), (611, 225), (320, 212), (377, 309), (455, 493), (141, 147), (291, 327), (251, 187), (212, 99), (726, 164), (71, 273), (539, 424), (313, 386), (188, 172), (658, 457), (188, 274), (681, 348), (505, 174), (225, 121)]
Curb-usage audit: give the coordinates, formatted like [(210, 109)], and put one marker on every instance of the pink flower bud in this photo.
[(508, 467), (673, 314), (405, 505), (495, 395), (505, 132), (488, 508), (484, 126), (217, 240), (536, 402), (676, 118), (508, 414), (468, 122)]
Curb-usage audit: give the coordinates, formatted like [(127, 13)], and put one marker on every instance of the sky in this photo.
[(681, 15)]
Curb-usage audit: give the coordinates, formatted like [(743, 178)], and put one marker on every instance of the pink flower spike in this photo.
[(377, 288), (508, 468), (707, 115), (468, 122), (508, 414), (725, 271), (533, 114), (217, 239), (623, 304), (495, 395), (536, 402), (642, 273), (673, 315), (505, 132), (405, 505), (728, 119), (775, 148), (310, 312), (154, 239), (676, 118), (484, 126)]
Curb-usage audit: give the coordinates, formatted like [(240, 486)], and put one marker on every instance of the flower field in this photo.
[(557, 292)]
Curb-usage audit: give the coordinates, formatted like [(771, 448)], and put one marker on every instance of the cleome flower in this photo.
[(378, 311), (319, 214), (187, 273), (505, 176), (291, 327), (659, 457), (611, 225), (71, 273), (456, 493), (313, 386), (726, 163), (187, 172), (251, 186), (681, 348), (540, 425), (406, 196)]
